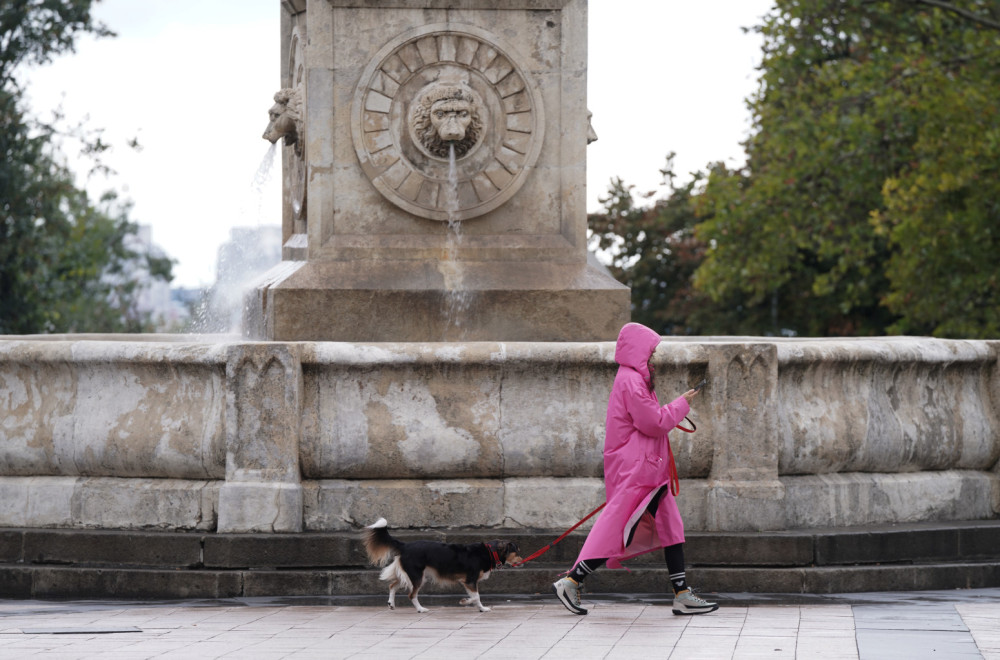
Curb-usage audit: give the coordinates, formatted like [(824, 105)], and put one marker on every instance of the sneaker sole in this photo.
[(693, 612), (568, 606)]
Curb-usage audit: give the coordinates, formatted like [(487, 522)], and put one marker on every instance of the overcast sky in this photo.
[(193, 80)]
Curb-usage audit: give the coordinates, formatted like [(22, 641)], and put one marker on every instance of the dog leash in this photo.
[(541, 552), (673, 489)]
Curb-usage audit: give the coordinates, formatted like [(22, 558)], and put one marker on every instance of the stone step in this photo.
[(917, 542), (76, 582), (51, 563)]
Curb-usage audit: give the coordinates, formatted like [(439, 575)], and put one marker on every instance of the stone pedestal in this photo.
[(435, 176), (263, 490), (344, 301)]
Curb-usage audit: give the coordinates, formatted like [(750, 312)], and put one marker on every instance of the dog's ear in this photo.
[(509, 548)]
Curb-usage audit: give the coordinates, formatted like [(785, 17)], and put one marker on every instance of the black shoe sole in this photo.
[(680, 613), (582, 611)]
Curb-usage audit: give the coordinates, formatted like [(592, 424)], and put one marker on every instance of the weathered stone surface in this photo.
[(385, 258), (10, 546), (548, 503), (114, 409), (262, 490), (379, 301), (108, 503), (339, 504), (282, 550), (59, 582), (862, 499), (519, 424), (433, 412), (886, 405), (903, 556), (109, 548)]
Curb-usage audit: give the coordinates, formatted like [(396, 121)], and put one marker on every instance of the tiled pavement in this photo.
[(953, 625)]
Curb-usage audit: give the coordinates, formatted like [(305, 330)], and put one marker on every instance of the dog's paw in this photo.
[(392, 606), (423, 610), (465, 601), (483, 608)]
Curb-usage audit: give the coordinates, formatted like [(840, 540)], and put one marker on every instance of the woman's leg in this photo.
[(685, 602), (585, 568), (674, 556)]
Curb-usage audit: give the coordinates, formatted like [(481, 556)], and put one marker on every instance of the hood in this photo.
[(636, 344)]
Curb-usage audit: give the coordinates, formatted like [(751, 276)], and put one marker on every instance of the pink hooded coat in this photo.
[(637, 458)]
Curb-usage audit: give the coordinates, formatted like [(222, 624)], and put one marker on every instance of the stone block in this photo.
[(866, 499), (286, 583), (903, 400), (531, 503), (144, 503), (882, 545), (37, 501), (748, 549), (260, 507), (745, 505), (15, 582), (112, 548), (397, 411), (385, 302), (263, 408), (61, 582), (303, 550), (342, 505), (11, 543), (263, 389), (748, 580), (115, 409), (979, 541)]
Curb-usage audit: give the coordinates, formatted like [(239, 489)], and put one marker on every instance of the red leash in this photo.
[(673, 489), (541, 552)]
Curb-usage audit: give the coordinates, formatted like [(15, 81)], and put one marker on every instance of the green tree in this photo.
[(653, 250), (869, 200), (64, 261)]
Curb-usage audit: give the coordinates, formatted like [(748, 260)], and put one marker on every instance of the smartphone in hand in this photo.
[(699, 386)]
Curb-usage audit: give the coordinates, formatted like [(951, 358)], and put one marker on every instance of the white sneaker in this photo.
[(687, 603), (568, 592)]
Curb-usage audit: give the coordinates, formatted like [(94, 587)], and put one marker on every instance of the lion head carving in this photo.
[(286, 118), (446, 115)]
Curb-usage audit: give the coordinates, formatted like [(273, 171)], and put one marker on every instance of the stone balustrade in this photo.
[(180, 433)]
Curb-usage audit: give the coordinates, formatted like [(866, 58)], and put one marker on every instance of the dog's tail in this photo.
[(379, 545)]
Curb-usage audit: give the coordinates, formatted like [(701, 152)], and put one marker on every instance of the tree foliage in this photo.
[(64, 260), (653, 249), (870, 201)]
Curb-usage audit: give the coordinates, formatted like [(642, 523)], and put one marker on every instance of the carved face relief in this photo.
[(436, 89), (446, 116), (451, 118)]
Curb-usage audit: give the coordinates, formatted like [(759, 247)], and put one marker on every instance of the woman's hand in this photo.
[(690, 394)]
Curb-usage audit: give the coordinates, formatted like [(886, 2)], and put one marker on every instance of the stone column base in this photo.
[(420, 301), (260, 507), (745, 505)]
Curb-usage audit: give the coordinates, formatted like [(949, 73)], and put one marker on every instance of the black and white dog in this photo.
[(408, 564)]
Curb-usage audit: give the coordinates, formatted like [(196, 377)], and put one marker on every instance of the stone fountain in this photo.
[(437, 348), (435, 163)]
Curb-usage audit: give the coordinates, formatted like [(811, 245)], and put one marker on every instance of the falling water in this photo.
[(254, 246), (457, 297)]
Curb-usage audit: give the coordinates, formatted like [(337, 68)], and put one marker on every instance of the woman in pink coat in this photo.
[(639, 476)]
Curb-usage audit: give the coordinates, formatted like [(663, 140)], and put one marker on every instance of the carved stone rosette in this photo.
[(439, 87)]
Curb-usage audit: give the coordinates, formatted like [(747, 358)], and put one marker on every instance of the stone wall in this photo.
[(168, 432)]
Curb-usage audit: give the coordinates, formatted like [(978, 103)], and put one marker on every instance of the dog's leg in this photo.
[(413, 595), (392, 594), (473, 598)]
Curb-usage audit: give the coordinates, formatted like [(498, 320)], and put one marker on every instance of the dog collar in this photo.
[(494, 556)]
